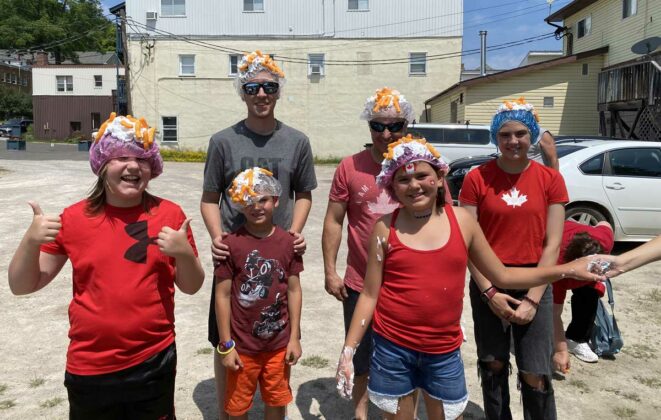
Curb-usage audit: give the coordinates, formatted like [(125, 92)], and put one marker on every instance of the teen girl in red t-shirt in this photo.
[(127, 249), (414, 285), (519, 204)]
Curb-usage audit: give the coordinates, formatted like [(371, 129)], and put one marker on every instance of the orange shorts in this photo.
[(272, 373)]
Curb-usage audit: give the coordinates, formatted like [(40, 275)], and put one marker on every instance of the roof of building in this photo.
[(570, 9), (521, 70)]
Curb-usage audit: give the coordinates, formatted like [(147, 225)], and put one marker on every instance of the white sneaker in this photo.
[(582, 351)]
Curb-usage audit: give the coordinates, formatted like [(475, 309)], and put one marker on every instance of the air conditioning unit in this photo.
[(152, 15), (315, 69)]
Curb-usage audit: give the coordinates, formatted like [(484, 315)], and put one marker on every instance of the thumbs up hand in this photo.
[(44, 228), (174, 243)]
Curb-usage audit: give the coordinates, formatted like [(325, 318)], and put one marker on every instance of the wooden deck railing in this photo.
[(640, 81)]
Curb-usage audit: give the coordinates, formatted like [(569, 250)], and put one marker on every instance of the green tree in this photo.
[(61, 27), (14, 104)]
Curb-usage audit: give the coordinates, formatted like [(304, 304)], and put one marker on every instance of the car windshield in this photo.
[(452, 135)]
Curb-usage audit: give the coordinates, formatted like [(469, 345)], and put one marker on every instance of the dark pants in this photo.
[(142, 392), (584, 301), (361, 359), (533, 345)]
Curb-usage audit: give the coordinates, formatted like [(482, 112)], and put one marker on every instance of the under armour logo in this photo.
[(138, 252)]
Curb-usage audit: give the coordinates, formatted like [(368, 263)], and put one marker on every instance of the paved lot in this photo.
[(34, 328)]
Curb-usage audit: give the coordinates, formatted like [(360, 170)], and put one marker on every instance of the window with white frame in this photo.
[(170, 131), (629, 8), (173, 7), (98, 81), (235, 59), (186, 65), (253, 5), (64, 83), (316, 65), (14, 79), (359, 4), (418, 63), (548, 102), (584, 27)]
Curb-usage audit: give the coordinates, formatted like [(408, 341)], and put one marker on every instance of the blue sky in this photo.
[(504, 21)]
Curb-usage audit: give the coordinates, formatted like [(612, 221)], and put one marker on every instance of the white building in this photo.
[(335, 53)]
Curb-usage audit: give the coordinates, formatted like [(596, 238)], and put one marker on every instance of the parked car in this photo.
[(613, 180), (5, 131), (455, 141)]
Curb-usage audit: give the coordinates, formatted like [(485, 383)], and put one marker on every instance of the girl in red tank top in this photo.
[(414, 288)]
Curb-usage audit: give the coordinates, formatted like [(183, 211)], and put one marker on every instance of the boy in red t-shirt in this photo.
[(258, 301), (578, 240)]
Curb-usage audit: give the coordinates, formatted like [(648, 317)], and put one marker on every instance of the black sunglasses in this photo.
[(252, 88), (395, 127)]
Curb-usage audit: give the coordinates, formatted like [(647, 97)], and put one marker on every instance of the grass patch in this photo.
[(204, 350), (654, 296), (631, 396), (174, 155), (3, 388), (35, 382), (4, 405), (640, 351), (51, 403), (624, 412), (331, 160), (649, 382), (316, 362), (577, 383)]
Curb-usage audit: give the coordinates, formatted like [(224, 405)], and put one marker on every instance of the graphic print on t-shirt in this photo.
[(514, 198), (382, 205), (270, 322), (138, 251), (260, 274)]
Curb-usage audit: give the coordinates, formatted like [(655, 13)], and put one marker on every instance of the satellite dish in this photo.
[(646, 46)]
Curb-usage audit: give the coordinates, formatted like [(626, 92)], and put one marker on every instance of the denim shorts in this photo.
[(397, 371)]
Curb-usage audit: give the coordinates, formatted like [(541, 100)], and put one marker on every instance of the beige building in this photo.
[(597, 87), (183, 61)]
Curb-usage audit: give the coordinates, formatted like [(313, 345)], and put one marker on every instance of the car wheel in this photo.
[(585, 215)]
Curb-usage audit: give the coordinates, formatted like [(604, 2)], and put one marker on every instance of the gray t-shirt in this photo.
[(286, 153)]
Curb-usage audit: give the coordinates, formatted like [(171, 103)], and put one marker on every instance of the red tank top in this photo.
[(422, 293)]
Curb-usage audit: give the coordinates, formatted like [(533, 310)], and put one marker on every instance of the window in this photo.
[(417, 63), (584, 27), (96, 120), (359, 4), (74, 127), (64, 83), (636, 162), (629, 8), (585, 70), (14, 79), (186, 65), (169, 128), (234, 64), (253, 5), (593, 166), (548, 102), (98, 81), (173, 7), (315, 64)]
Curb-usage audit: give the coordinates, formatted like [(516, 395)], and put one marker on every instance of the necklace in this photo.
[(424, 215)]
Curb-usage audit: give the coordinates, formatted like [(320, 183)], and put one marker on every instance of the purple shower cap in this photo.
[(126, 136)]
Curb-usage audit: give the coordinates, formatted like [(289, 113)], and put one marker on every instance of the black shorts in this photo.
[(361, 359), (141, 392), (212, 334)]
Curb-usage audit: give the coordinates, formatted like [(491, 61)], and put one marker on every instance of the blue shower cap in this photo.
[(519, 111)]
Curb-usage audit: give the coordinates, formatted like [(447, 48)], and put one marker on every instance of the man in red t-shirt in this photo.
[(578, 240), (354, 193)]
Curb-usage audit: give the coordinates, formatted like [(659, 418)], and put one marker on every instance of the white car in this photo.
[(456, 141), (618, 181)]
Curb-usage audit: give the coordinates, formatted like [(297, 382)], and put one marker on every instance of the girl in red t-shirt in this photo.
[(519, 204), (414, 285), (127, 249)]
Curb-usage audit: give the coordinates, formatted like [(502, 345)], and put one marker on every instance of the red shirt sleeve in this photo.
[(604, 235), (469, 193), (557, 192), (339, 190), (226, 270), (296, 265)]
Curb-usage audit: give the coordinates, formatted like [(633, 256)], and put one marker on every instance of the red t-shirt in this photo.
[(354, 183), (603, 235), (260, 269), (512, 208), (122, 311), (422, 293)]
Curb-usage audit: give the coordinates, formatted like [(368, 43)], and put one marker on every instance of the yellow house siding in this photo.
[(609, 29), (575, 97), (439, 109)]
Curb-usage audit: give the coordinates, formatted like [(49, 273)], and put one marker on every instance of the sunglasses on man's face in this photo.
[(395, 127), (252, 88)]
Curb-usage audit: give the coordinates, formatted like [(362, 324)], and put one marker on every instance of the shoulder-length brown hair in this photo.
[(96, 197)]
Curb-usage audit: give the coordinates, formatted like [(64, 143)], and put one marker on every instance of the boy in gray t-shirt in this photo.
[(259, 140)]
